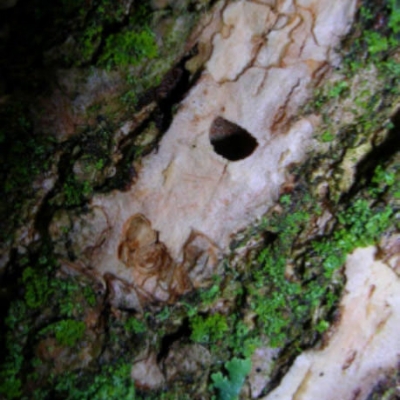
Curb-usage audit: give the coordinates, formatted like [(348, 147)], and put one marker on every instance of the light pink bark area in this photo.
[(265, 59)]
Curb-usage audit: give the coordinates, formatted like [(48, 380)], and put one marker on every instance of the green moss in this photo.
[(67, 331), (100, 16), (283, 304), (129, 48), (229, 387), (376, 43), (37, 288), (89, 41), (69, 297), (277, 306), (89, 295), (24, 156), (135, 326), (381, 180), (164, 314), (338, 89), (286, 289), (327, 137), (15, 338), (208, 329), (43, 299), (113, 382), (75, 192), (132, 44), (10, 385), (394, 18), (10, 369), (208, 296)]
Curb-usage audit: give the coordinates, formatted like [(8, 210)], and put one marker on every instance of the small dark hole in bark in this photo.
[(230, 140)]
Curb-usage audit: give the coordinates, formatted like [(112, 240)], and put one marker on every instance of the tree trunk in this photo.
[(204, 202)]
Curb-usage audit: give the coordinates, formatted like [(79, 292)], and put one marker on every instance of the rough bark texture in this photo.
[(202, 200)]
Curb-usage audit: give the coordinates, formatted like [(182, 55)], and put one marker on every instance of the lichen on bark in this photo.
[(114, 284)]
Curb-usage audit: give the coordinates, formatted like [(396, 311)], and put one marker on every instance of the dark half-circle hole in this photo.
[(230, 140)]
